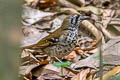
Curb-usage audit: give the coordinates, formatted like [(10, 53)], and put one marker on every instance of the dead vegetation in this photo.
[(97, 52)]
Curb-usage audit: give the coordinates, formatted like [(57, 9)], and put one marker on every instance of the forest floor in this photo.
[(95, 57)]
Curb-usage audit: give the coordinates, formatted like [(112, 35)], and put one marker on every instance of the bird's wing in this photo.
[(49, 40)]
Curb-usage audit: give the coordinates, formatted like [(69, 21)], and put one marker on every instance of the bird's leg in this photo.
[(57, 59), (52, 59), (60, 62)]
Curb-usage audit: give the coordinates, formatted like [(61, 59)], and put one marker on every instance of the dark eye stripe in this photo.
[(74, 19), (71, 20)]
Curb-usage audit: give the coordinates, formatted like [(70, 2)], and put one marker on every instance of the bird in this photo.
[(63, 40)]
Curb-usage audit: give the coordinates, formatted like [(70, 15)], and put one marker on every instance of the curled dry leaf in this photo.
[(51, 77), (67, 4), (90, 9), (33, 40), (25, 70), (108, 12), (78, 2), (113, 46), (51, 25), (69, 10), (94, 31), (71, 56), (29, 30), (82, 2), (51, 69), (31, 16), (98, 11), (91, 74), (109, 74), (100, 27), (49, 72), (56, 23), (27, 57), (117, 28), (82, 75), (24, 54), (42, 4), (115, 21)]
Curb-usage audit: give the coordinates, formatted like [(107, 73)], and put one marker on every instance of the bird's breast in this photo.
[(67, 42), (69, 36)]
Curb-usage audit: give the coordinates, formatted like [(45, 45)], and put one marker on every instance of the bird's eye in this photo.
[(54, 40)]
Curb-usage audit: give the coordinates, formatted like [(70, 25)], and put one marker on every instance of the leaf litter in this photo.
[(41, 18)]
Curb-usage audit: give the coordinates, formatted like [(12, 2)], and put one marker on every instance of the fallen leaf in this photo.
[(82, 75), (24, 70), (110, 73), (71, 56), (31, 16)]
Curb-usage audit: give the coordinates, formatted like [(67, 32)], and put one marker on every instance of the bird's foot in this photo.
[(52, 59)]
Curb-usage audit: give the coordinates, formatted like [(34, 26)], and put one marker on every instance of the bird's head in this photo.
[(77, 19)]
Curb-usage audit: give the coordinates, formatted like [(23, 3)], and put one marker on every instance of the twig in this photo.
[(101, 62)]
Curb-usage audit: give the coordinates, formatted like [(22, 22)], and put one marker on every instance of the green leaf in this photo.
[(62, 64)]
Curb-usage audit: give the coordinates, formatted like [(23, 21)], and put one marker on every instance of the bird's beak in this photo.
[(84, 17)]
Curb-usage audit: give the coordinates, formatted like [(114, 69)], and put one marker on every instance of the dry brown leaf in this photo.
[(31, 16), (51, 77), (42, 71), (25, 53), (49, 72), (33, 40), (82, 75), (50, 69), (92, 72), (67, 4), (28, 58), (78, 2), (71, 56), (91, 9), (117, 28), (29, 30), (82, 2), (44, 62), (42, 4), (110, 73), (25, 70), (78, 48), (69, 10)]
